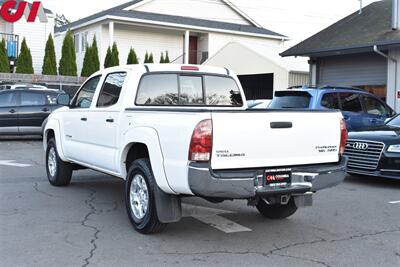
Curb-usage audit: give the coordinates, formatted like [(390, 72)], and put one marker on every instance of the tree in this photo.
[(91, 62), (115, 55), (87, 62), (146, 58), (108, 59), (68, 57), (24, 62), (166, 59), (151, 58), (4, 63), (49, 60), (162, 60), (132, 58), (95, 55)]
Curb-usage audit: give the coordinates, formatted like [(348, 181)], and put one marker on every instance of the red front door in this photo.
[(193, 49)]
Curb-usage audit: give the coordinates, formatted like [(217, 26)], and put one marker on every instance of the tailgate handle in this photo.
[(281, 125)]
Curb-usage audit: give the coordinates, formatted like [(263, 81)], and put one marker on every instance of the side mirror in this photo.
[(63, 99)]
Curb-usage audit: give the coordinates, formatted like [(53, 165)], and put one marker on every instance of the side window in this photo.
[(111, 89), (191, 90), (85, 95), (8, 100), (374, 107), (158, 89), (32, 99), (330, 100), (350, 102), (222, 91)]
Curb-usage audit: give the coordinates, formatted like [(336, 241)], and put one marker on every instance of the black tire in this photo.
[(149, 223), (277, 211), (61, 176)]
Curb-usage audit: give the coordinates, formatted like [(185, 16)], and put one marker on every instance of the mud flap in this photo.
[(168, 207)]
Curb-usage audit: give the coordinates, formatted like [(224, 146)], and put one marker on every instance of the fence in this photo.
[(66, 83)]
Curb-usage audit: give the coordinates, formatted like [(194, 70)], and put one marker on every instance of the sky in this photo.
[(297, 19)]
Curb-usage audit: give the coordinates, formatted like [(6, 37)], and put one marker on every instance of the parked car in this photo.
[(375, 151), (13, 86), (360, 109), (24, 111), (174, 131), (259, 104)]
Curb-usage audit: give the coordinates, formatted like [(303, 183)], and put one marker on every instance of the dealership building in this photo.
[(361, 50)]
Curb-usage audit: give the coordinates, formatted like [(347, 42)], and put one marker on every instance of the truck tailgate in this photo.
[(249, 139)]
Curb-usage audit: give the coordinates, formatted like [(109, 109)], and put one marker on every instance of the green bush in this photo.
[(151, 58), (108, 60), (162, 60), (67, 64), (132, 58), (49, 60), (166, 59), (115, 55), (4, 63), (95, 56), (146, 58), (91, 62), (24, 62)]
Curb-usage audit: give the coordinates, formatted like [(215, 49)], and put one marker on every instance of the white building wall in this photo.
[(36, 35), (90, 32), (205, 9), (143, 39), (219, 40), (244, 61), (393, 83)]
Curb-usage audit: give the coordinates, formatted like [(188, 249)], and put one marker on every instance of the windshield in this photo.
[(395, 121), (290, 99)]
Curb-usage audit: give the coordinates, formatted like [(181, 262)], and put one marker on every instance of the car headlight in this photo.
[(394, 148)]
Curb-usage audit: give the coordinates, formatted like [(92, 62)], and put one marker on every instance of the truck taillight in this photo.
[(201, 143), (343, 136)]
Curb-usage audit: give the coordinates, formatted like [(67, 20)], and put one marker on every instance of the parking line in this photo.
[(211, 217), (12, 163), (395, 202)]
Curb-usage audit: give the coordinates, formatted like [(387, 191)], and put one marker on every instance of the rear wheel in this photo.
[(276, 211), (139, 198), (59, 172)]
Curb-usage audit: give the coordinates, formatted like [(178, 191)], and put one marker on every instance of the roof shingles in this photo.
[(119, 11), (353, 33)]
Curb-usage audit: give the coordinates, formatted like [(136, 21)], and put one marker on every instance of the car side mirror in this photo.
[(63, 99)]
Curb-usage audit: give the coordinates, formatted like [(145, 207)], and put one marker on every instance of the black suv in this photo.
[(24, 111)]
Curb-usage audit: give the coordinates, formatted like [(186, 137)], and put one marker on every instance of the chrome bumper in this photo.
[(244, 184)]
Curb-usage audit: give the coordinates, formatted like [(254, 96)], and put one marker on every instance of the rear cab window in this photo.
[(291, 99), (181, 89)]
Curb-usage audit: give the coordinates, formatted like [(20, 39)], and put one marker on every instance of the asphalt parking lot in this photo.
[(85, 224)]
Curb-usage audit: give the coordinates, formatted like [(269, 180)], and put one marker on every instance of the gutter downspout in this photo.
[(376, 50)]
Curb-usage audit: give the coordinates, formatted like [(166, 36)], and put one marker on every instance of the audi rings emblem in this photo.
[(360, 146)]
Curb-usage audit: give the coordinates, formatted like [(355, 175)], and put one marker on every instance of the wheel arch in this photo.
[(52, 129), (143, 142)]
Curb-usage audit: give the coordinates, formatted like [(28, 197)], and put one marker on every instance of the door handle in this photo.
[(12, 111), (373, 120), (281, 125), (83, 119), (346, 118), (110, 120), (45, 109)]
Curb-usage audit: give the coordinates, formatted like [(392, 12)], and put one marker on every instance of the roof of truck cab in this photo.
[(167, 68)]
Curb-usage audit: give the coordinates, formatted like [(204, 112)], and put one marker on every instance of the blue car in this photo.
[(360, 108)]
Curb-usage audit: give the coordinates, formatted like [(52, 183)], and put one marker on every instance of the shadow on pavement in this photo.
[(373, 181)]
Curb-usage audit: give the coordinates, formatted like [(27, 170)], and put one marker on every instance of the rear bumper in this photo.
[(241, 184)]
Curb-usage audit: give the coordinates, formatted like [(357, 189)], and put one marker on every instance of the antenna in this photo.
[(361, 6)]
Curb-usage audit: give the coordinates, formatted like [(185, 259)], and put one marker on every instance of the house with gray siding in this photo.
[(361, 50)]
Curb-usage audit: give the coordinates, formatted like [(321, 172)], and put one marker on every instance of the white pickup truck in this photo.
[(174, 131)]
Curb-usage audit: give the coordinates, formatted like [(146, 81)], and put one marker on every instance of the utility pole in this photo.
[(361, 6)]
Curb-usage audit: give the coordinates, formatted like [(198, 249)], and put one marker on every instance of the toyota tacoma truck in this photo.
[(173, 131)]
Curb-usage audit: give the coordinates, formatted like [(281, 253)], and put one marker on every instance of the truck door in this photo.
[(103, 123)]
